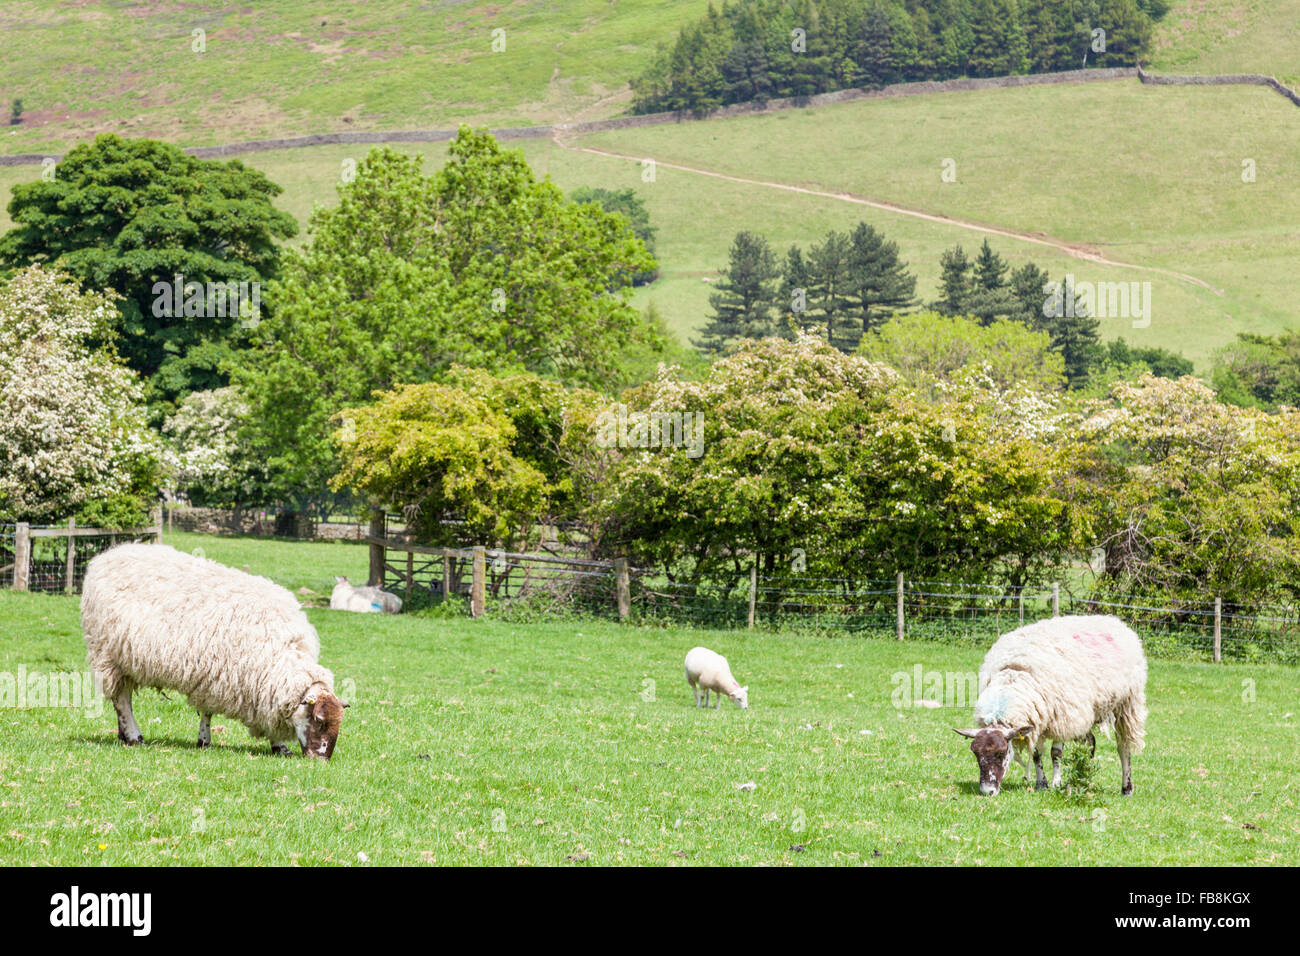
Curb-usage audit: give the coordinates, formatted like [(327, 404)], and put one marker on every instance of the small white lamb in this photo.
[(707, 670), (364, 600)]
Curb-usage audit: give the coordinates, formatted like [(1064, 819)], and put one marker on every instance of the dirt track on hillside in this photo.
[(1075, 250)]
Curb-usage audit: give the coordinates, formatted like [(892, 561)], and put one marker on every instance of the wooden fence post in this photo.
[(377, 530), (1021, 601), (753, 594), (900, 605), (410, 574), (480, 579), (624, 588), (156, 513), (1056, 600), (70, 567), (446, 575), (1218, 629), (22, 555)]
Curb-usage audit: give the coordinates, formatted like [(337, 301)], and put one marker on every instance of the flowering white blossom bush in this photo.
[(206, 459), (73, 429)]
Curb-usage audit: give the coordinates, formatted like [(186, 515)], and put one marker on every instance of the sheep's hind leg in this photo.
[(1126, 788), (128, 731), (205, 729), (1057, 749)]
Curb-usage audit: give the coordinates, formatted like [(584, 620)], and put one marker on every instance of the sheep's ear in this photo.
[(346, 705), (309, 701), (966, 733), (1022, 732)]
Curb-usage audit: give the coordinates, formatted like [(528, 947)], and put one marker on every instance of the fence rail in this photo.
[(928, 610), (53, 558)]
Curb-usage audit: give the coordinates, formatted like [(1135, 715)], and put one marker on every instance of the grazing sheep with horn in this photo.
[(231, 642), (1056, 680)]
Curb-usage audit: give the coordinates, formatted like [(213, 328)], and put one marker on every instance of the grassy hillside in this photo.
[(282, 67), (1093, 177), (1231, 36)]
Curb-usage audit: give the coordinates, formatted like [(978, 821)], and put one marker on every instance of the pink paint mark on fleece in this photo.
[(1099, 644)]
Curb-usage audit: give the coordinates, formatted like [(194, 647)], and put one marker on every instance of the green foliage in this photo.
[(1192, 498), (808, 448), (480, 264), (1259, 370), (130, 215), (927, 349), (480, 459), (746, 51), (629, 205), (15, 112)]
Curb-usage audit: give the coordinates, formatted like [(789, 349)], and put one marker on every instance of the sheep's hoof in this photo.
[(130, 742), (280, 750), (1041, 785), (1127, 789), (204, 744)]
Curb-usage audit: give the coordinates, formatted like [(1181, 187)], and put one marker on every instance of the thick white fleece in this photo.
[(231, 642), (366, 599), (1063, 676)]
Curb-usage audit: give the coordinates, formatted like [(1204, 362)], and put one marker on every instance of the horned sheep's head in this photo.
[(317, 721), (993, 749)]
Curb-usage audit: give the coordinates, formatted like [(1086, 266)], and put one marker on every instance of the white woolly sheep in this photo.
[(1056, 680), (365, 600), (707, 670), (231, 642)]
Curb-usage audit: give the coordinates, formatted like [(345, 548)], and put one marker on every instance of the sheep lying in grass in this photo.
[(230, 642), (366, 600), (1056, 680), (707, 670)]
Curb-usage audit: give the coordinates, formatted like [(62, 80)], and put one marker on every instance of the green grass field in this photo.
[(486, 742)]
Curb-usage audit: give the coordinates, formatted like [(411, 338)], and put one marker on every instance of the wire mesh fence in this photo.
[(53, 559), (955, 612)]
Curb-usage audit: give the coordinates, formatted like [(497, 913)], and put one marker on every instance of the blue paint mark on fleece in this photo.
[(377, 607), (991, 707)]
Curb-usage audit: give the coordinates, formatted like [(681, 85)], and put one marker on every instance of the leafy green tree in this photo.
[(1191, 498), (629, 205), (129, 214), (1259, 370), (742, 306), (928, 349), (479, 264)]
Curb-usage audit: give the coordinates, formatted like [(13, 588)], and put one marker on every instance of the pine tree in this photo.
[(796, 278), (1027, 285), (828, 265), (990, 269), (955, 280), (878, 280), (742, 306), (1074, 334)]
